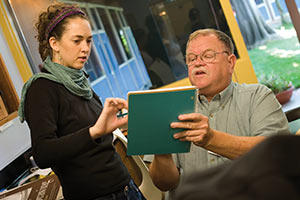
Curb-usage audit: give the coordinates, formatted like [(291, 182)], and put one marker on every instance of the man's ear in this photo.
[(54, 44), (231, 62)]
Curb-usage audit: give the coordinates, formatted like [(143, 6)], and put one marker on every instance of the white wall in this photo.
[(14, 136)]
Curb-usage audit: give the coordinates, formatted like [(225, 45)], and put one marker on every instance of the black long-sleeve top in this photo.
[(59, 122)]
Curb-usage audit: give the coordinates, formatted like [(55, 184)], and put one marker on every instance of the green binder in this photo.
[(150, 113)]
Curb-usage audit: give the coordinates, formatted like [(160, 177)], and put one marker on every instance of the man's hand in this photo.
[(197, 129)]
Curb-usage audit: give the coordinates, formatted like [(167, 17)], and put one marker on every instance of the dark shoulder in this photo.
[(44, 87), (44, 84)]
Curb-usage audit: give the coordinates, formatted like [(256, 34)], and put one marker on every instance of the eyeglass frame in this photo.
[(201, 56)]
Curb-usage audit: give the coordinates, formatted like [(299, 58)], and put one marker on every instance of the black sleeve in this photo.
[(42, 105)]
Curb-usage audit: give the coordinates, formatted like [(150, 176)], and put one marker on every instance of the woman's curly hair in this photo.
[(45, 19)]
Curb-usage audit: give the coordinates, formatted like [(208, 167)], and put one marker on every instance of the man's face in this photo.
[(213, 74)]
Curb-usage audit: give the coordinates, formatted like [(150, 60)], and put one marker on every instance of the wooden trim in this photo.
[(3, 111), (8, 118), (182, 82), (295, 16), (13, 43), (9, 94)]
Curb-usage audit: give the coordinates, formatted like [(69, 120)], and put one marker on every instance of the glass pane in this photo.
[(175, 28), (264, 13), (110, 34), (258, 2), (194, 15), (121, 34), (93, 66), (122, 18), (160, 15), (96, 19)]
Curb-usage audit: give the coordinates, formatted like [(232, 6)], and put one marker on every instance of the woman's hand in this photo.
[(108, 120)]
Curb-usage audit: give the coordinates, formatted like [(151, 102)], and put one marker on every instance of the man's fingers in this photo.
[(191, 117)]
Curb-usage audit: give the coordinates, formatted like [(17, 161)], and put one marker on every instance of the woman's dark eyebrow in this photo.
[(80, 36)]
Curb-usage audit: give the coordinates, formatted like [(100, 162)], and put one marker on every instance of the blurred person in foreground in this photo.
[(269, 171)]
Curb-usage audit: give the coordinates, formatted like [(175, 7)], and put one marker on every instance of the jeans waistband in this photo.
[(119, 194)]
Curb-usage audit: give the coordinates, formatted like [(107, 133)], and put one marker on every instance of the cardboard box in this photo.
[(3, 111), (47, 188)]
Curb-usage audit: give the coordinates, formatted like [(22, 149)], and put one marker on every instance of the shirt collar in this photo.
[(222, 96)]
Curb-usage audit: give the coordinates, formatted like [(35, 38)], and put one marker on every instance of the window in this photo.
[(93, 66), (194, 15), (116, 20), (96, 19), (123, 21), (107, 23)]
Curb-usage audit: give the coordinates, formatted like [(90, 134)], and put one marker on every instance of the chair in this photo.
[(137, 169), (293, 117), (293, 114)]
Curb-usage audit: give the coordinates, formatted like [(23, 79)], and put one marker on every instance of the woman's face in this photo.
[(74, 47)]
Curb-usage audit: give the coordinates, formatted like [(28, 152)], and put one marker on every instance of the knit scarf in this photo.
[(73, 79)]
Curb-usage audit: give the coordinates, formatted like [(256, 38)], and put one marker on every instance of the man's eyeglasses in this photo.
[(207, 57)]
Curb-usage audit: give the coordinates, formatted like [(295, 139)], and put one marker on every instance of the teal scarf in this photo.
[(73, 79)]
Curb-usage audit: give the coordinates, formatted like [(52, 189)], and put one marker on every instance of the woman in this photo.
[(62, 113)]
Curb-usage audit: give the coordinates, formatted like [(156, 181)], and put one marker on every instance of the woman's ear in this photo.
[(54, 44)]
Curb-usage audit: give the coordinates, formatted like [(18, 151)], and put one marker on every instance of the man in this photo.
[(230, 118)]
